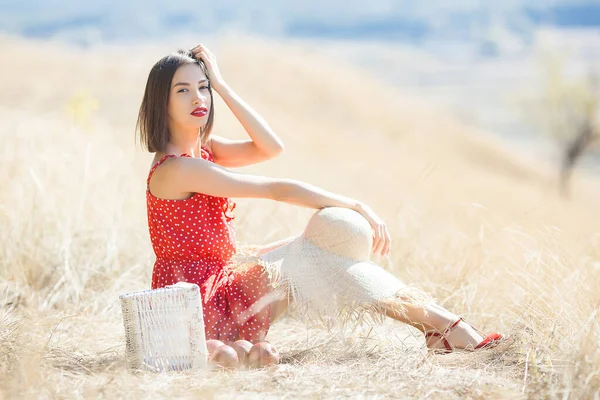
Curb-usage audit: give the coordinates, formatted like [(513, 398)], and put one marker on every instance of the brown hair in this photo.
[(152, 121)]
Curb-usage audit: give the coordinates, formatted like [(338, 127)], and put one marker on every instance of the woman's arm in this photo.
[(236, 153), (263, 137), (264, 143), (185, 175)]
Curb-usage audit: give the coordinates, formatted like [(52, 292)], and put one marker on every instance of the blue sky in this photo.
[(404, 20)]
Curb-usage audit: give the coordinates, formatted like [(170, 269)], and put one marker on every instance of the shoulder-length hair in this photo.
[(152, 121)]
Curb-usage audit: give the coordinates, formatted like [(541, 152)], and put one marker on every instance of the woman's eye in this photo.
[(201, 88)]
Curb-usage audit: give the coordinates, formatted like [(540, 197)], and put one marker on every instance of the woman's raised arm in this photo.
[(265, 143)]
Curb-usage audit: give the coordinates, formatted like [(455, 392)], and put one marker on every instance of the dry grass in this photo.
[(481, 229)]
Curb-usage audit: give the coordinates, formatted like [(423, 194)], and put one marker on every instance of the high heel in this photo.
[(488, 341)]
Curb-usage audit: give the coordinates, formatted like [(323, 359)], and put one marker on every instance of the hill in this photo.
[(479, 227)]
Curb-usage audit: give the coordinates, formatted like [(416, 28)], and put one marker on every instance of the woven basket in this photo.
[(164, 328)]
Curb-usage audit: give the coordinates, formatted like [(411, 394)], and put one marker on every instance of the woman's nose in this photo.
[(198, 97)]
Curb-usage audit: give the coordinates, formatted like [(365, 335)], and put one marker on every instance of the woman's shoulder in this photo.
[(179, 164), (165, 175)]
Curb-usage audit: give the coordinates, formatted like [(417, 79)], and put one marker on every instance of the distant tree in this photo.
[(585, 131), (568, 111)]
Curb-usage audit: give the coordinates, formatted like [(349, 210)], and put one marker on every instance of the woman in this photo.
[(190, 215)]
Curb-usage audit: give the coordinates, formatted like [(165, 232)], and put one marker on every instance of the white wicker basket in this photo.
[(164, 328)]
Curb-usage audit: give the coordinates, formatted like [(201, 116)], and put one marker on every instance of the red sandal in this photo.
[(489, 341)]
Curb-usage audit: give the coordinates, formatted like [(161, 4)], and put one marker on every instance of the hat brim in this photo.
[(326, 283)]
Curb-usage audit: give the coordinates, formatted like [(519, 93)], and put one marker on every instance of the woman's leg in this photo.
[(433, 317), (277, 306), (429, 318)]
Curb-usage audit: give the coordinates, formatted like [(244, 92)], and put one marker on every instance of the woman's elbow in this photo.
[(280, 149), (276, 150)]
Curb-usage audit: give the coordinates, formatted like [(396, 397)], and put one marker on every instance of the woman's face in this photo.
[(189, 99)]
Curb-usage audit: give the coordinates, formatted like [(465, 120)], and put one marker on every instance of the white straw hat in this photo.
[(326, 270)]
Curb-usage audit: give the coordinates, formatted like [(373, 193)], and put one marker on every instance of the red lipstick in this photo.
[(200, 112)]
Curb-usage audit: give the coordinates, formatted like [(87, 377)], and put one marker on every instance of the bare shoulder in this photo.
[(177, 167), (166, 179)]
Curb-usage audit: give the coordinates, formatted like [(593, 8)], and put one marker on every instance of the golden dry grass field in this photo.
[(482, 229)]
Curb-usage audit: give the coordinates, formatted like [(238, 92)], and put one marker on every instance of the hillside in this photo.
[(479, 227)]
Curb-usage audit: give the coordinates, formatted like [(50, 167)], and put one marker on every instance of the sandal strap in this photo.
[(442, 335), (489, 341), (445, 341), (451, 327)]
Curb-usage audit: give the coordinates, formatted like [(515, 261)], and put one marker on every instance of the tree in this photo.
[(568, 111)]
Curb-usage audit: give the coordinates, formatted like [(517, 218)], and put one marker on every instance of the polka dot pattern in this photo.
[(193, 240)]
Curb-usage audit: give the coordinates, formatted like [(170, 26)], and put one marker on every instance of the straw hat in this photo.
[(326, 270)]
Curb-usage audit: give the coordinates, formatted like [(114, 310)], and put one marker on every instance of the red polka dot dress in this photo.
[(193, 240)]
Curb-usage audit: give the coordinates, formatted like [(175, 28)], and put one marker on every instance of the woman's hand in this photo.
[(209, 59), (382, 240)]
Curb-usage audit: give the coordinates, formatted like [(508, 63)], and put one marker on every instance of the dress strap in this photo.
[(156, 166), (206, 154)]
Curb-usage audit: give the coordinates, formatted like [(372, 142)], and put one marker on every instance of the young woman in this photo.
[(190, 214)]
